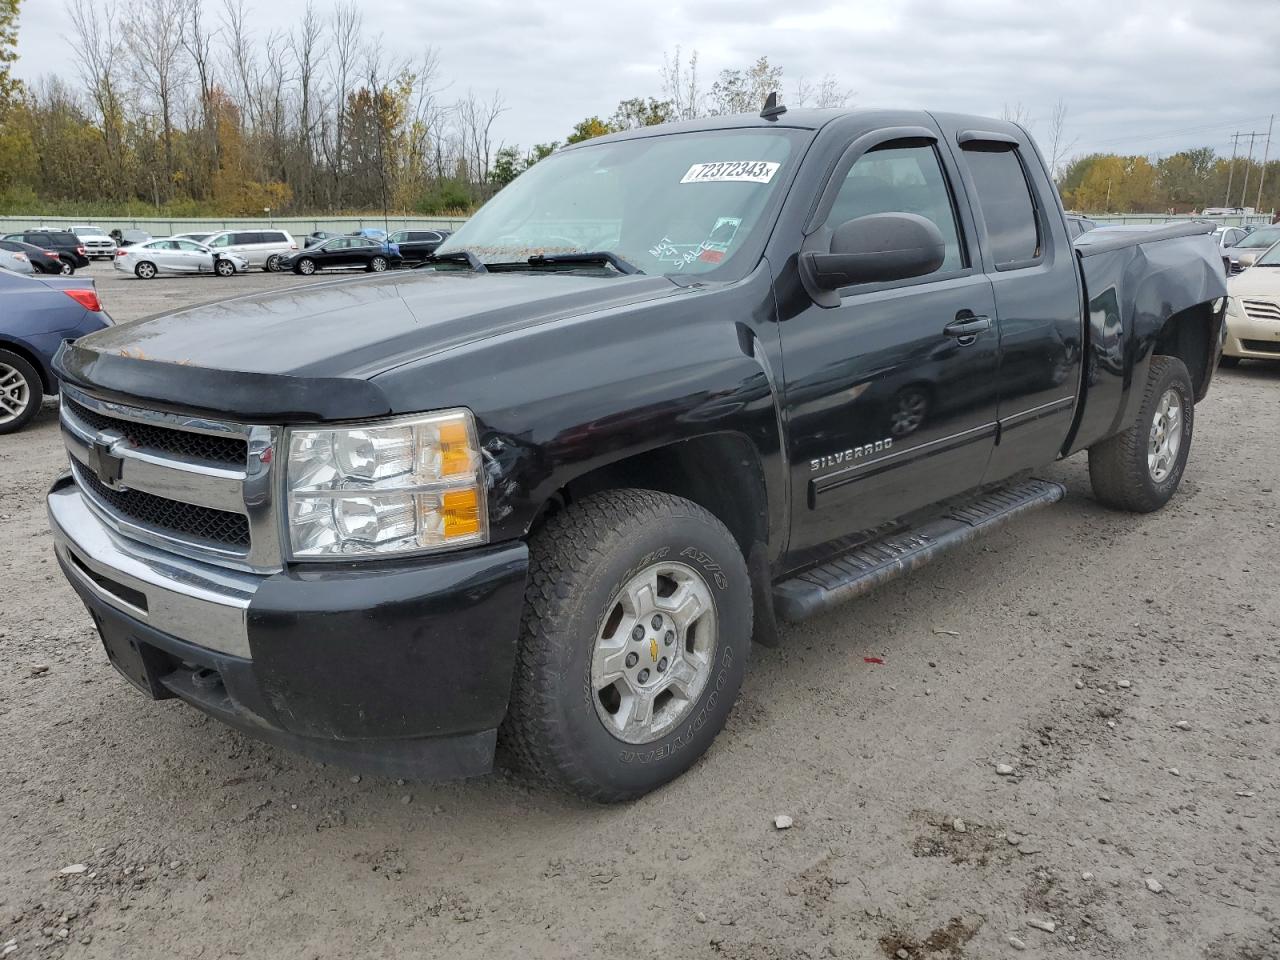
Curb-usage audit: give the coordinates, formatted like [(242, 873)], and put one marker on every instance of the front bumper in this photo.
[(397, 669), (1251, 337)]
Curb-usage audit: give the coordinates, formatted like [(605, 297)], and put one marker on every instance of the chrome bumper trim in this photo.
[(203, 604)]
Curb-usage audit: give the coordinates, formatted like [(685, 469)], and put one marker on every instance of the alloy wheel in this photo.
[(15, 394)]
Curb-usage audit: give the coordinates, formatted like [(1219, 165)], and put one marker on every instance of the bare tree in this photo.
[(154, 36), (1017, 114), (1059, 145), (97, 44), (826, 94), (198, 41), (306, 43), (344, 28), (680, 85), (475, 118)]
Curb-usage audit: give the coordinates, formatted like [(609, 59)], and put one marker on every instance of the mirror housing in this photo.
[(877, 248)]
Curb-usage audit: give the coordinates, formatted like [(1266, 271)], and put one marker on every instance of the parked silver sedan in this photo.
[(15, 262), (177, 255), (1249, 248)]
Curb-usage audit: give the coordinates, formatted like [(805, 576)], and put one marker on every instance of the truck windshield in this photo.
[(685, 203), (1269, 259)]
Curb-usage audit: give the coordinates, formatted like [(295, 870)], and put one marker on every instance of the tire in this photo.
[(564, 725), (273, 264), (145, 270), (1135, 470), (224, 268), (306, 266), (378, 265), (21, 392), (68, 268), (1229, 361)]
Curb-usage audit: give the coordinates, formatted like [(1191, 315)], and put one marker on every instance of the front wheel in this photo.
[(378, 264), (273, 264), (224, 268), (306, 266), (1140, 469), (20, 392), (145, 270), (633, 643)]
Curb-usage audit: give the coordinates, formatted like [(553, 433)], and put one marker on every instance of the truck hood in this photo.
[(309, 352)]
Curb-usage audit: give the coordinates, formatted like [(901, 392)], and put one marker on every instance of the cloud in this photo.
[(1140, 76)]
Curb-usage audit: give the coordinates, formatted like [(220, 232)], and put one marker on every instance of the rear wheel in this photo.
[(378, 264), (145, 270), (68, 268), (1140, 469), (20, 392), (634, 641), (306, 266)]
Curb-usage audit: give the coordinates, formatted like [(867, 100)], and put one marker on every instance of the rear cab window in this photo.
[(1005, 204)]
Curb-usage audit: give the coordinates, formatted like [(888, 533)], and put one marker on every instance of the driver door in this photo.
[(891, 393)]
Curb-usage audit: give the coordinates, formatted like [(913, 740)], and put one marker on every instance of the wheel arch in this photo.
[(722, 472), (1194, 336)]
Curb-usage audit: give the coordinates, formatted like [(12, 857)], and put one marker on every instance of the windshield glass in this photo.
[(1269, 259), (1260, 238), (680, 203)]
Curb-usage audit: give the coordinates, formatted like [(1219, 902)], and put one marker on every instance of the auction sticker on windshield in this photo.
[(732, 171)]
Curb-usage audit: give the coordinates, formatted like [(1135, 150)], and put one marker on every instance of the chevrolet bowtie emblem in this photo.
[(107, 466), (653, 649)]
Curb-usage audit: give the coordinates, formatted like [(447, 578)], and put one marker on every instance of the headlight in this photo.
[(394, 486), (1233, 307)]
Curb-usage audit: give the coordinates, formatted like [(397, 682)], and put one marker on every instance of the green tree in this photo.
[(641, 112), (589, 128)]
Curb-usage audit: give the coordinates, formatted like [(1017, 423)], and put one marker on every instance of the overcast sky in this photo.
[(1137, 75)]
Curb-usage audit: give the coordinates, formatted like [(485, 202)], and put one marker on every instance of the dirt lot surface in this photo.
[(1126, 668)]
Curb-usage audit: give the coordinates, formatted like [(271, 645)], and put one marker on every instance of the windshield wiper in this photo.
[(474, 263), (595, 256)]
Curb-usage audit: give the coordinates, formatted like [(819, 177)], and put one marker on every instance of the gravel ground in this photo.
[(1124, 667)]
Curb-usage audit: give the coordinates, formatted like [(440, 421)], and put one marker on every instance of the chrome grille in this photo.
[(180, 443), (198, 487), (185, 519), (1262, 310)]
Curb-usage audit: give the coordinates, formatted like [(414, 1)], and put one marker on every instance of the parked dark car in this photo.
[(666, 388), (36, 315), (342, 253), (416, 245), (44, 261), (319, 236), (70, 250)]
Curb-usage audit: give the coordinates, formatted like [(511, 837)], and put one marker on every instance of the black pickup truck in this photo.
[(666, 389)]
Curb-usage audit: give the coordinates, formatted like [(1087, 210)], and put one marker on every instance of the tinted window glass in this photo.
[(1005, 201), (272, 236), (40, 239), (900, 180)]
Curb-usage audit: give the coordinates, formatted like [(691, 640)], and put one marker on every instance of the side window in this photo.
[(1004, 197), (901, 179), (273, 237), (223, 240)]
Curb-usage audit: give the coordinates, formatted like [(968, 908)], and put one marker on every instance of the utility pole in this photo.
[(1231, 171), (1244, 194), (1266, 153)]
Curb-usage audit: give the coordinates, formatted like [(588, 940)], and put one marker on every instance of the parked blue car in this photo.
[(36, 315)]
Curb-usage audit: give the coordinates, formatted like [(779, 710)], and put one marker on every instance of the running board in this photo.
[(905, 549)]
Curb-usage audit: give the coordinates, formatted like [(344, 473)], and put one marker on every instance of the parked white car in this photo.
[(174, 255), (15, 262), (1253, 311), (262, 248), (98, 244)]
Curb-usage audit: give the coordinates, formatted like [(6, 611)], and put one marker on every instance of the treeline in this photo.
[(1183, 182), (184, 108)]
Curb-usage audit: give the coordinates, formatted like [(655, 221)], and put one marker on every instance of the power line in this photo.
[(1135, 138)]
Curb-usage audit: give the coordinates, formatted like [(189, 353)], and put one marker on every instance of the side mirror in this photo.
[(873, 249)]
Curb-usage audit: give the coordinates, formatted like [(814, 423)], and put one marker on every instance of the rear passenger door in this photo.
[(891, 395), (1033, 271)]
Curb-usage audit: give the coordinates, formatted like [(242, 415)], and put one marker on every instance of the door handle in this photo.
[(967, 328)]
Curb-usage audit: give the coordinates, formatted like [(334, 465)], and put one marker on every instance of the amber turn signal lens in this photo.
[(455, 448), (461, 511)]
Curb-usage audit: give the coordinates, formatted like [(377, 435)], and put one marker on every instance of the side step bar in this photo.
[(905, 549)]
